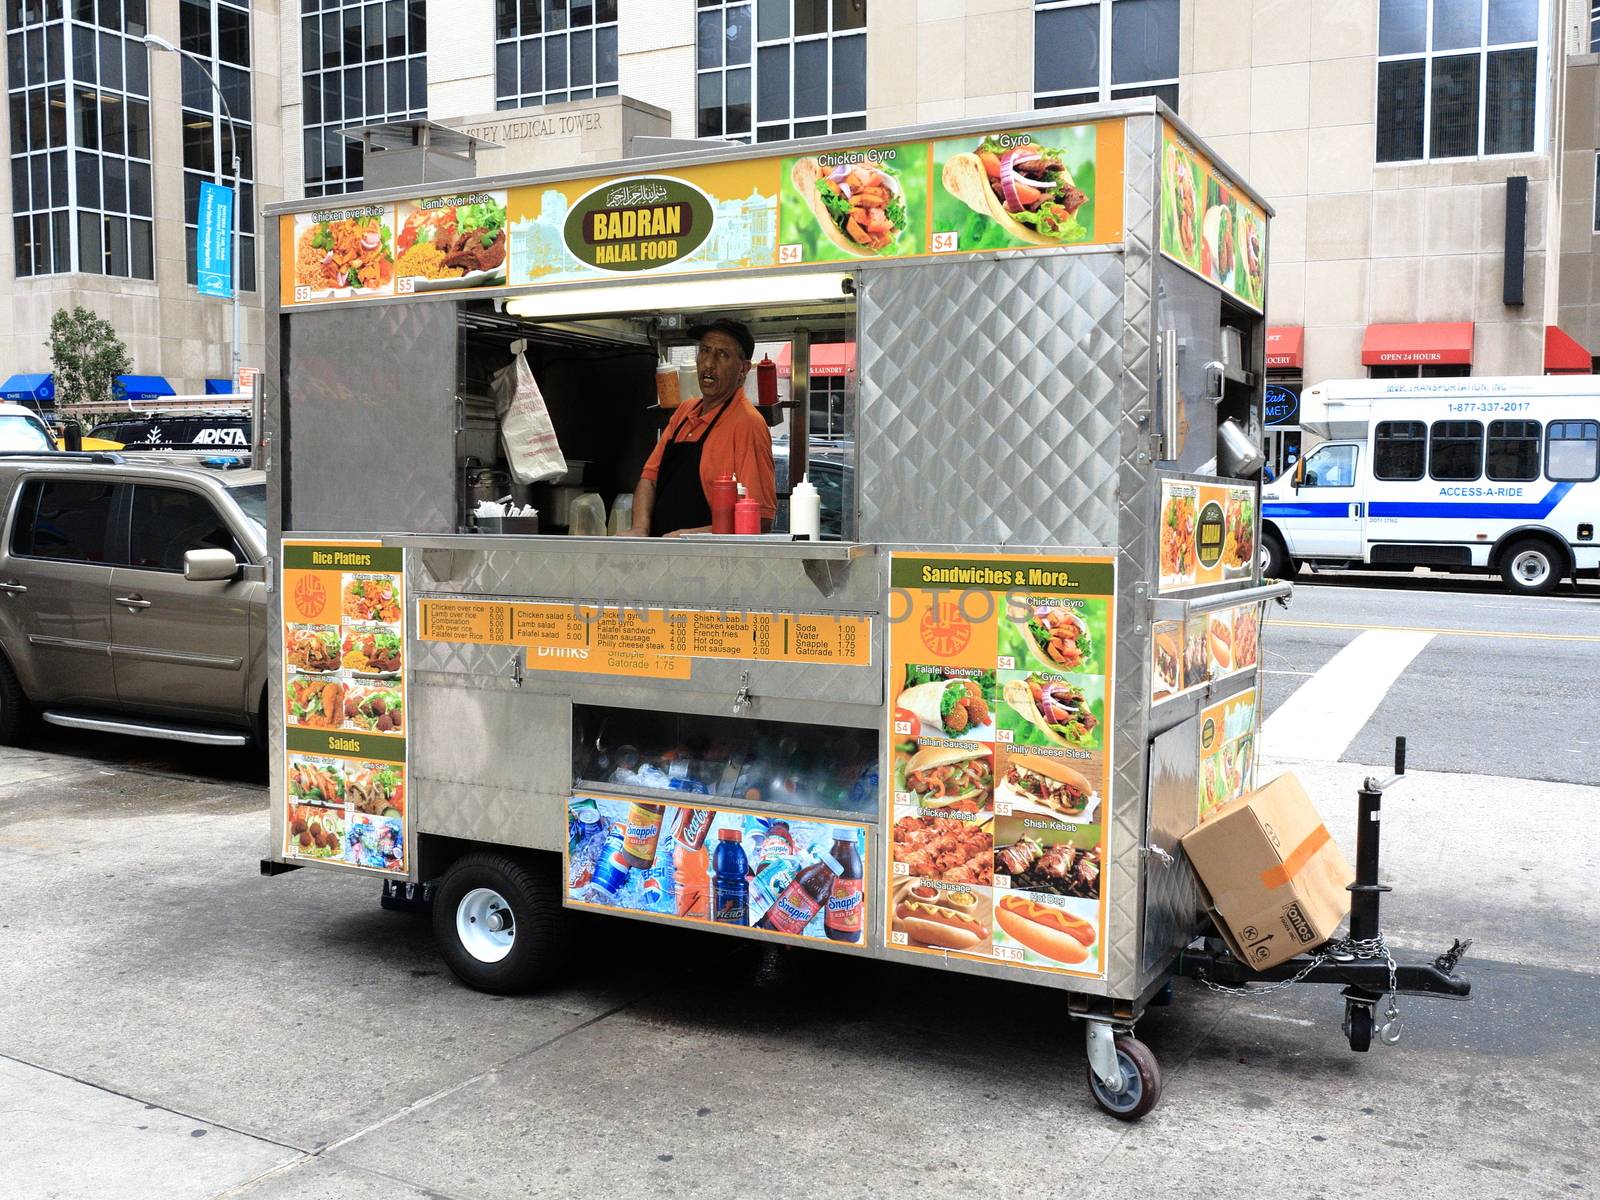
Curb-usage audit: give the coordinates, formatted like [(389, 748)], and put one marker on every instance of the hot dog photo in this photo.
[(1047, 931), (941, 917)]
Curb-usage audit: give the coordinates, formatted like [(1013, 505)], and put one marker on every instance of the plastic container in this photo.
[(667, 393), (805, 510), (688, 382), (746, 514), (724, 494), (588, 516), (766, 382), (621, 519)]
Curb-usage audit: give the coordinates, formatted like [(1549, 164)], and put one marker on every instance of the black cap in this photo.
[(737, 330)]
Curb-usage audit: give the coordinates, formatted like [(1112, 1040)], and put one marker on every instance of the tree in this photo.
[(86, 355)]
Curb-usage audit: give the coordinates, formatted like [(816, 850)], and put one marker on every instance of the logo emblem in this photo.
[(946, 632), (310, 597)]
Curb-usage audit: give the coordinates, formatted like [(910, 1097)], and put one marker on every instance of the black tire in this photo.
[(484, 886), (1141, 1082), (14, 708), (1275, 561), (1358, 1022), (1531, 566)]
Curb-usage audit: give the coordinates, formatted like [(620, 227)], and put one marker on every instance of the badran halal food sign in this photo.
[(638, 224)]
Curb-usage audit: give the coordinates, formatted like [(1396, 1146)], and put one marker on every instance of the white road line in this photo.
[(1328, 710)]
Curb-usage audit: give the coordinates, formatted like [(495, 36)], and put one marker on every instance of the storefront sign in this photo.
[(1050, 186), (623, 631), (1208, 226), (1208, 534), (1281, 406), (777, 875), (344, 631), (1212, 646), (1000, 743), (1227, 751)]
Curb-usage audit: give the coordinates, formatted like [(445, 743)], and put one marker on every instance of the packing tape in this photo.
[(1276, 877)]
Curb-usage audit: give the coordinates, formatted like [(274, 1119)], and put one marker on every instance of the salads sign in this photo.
[(1000, 740), (344, 695), (1208, 534), (1208, 226), (1054, 186)]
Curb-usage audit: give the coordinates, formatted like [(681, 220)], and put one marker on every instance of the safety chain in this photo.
[(1334, 950)]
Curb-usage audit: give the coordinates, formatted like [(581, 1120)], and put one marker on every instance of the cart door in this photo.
[(1326, 517)]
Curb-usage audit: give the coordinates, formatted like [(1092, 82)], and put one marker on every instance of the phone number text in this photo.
[(1489, 406)]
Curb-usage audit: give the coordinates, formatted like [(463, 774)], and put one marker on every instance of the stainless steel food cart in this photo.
[(1060, 414)]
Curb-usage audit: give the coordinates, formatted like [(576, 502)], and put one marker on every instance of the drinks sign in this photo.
[(638, 224)]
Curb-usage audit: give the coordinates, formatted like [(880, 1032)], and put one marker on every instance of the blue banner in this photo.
[(214, 241)]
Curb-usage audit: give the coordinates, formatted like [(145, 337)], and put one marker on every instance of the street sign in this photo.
[(214, 241)]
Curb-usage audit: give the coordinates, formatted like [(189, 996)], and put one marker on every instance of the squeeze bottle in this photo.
[(805, 510), (746, 514), (723, 497)]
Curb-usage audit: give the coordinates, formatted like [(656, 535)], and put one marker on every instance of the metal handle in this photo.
[(1171, 394), (1171, 609), (1215, 371), (134, 601), (14, 588)]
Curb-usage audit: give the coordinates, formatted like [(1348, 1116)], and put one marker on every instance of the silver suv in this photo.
[(133, 597)]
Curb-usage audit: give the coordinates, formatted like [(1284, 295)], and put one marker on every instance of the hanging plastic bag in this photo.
[(532, 451)]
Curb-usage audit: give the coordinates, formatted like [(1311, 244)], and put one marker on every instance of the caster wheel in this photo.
[(1358, 1022), (499, 923), (1141, 1082)]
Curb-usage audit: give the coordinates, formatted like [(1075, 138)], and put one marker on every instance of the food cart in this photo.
[(967, 731)]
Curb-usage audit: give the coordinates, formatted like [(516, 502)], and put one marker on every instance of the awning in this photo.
[(37, 388), (1391, 345), (827, 358), (1285, 347), (1564, 355), (141, 387), (219, 387)]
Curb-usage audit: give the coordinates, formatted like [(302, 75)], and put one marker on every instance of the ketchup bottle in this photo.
[(766, 382), (746, 514), (723, 497)]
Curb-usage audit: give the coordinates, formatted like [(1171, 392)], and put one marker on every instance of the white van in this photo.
[(1486, 474)]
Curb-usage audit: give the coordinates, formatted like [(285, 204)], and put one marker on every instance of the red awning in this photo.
[(827, 358), (1445, 342), (1564, 355), (1285, 346)]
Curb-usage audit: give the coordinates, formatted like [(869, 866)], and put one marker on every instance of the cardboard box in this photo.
[(1276, 878)]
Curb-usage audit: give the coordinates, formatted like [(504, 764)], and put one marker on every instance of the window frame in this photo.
[(131, 491), (1592, 434), (1434, 437), (25, 515), (1105, 90), (1427, 55), (1538, 450), (596, 88), (1378, 440)]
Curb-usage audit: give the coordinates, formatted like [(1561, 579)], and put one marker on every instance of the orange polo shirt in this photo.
[(739, 445)]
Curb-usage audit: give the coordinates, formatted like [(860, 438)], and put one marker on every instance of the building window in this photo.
[(78, 84), (1457, 78), (1594, 29), (552, 51), (1071, 64), (361, 64), (218, 32), (778, 69), (1411, 371)]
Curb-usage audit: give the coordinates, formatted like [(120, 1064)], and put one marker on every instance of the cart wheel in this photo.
[(1358, 1023), (499, 922), (1141, 1082)]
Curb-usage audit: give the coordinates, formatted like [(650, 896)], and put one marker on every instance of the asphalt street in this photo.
[(173, 1025)]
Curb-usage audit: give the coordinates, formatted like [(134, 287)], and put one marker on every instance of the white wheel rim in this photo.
[(1531, 567), (484, 925)]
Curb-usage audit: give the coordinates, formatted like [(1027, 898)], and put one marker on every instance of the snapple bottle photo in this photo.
[(847, 902), (804, 897), (642, 832)]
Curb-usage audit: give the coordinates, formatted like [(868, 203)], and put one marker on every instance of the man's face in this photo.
[(722, 366)]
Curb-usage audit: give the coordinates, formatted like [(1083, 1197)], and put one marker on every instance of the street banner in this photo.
[(214, 242)]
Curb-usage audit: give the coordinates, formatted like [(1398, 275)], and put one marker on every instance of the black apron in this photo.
[(680, 497)]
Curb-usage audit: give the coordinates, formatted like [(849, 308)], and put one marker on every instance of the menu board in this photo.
[(1208, 226), (1207, 534), (1227, 752), (1000, 740), (1210, 646), (781, 876), (651, 642), (344, 690), (1022, 188)]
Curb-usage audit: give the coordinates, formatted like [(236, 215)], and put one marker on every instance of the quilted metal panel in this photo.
[(1135, 535), (374, 384), (1172, 900), (989, 400)]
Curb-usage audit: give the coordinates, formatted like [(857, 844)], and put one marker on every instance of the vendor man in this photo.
[(719, 434)]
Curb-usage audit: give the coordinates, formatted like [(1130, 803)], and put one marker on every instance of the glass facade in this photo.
[(1457, 78), (361, 64), (552, 51), (1088, 51), (777, 69), (78, 93), (218, 33)]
